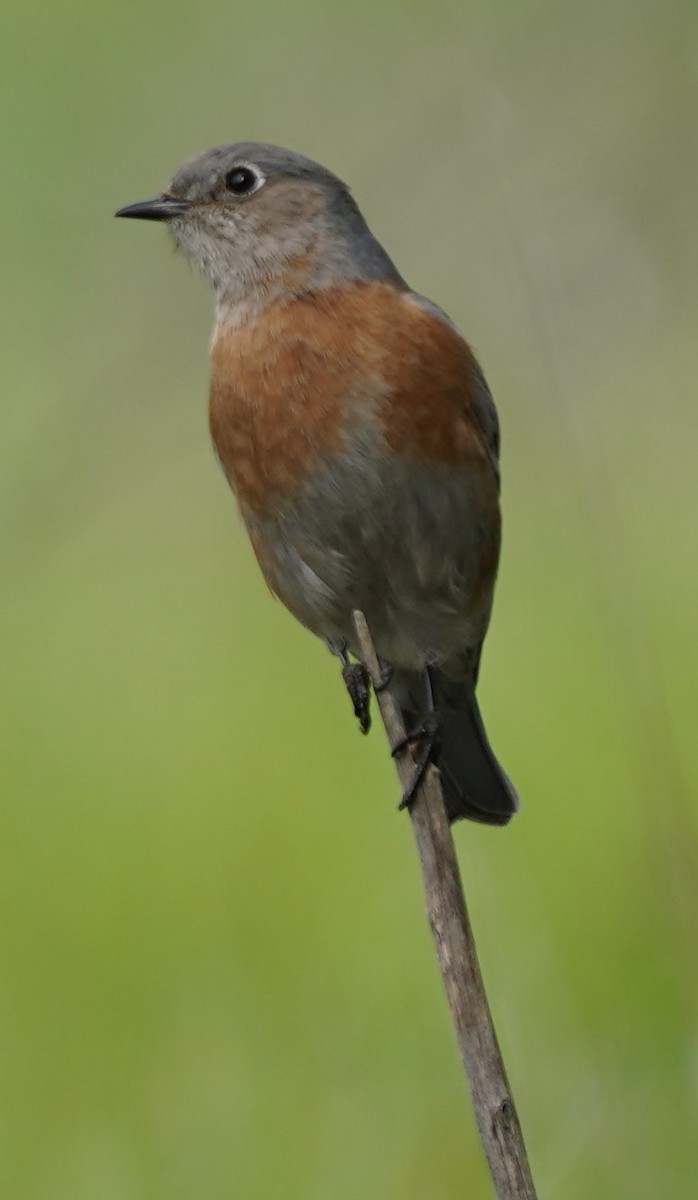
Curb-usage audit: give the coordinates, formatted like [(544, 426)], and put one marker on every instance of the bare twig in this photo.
[(497, 1121)]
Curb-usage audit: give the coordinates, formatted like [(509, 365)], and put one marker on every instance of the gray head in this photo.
[(259, 221)]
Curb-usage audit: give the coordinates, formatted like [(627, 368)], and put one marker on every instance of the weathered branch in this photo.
[(497, 1121)]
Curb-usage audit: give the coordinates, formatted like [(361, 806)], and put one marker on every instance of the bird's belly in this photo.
[(415, 547)]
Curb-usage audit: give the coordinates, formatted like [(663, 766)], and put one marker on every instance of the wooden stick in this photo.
[(495, 1112)]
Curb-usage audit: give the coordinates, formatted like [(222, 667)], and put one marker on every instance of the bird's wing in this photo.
[(481, 402)]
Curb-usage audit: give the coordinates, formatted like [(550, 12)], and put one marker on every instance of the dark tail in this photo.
[(474, 784)]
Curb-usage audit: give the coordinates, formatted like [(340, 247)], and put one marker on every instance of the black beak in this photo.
[(161, 208)]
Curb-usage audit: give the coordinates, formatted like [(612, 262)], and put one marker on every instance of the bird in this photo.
[(359, 436)]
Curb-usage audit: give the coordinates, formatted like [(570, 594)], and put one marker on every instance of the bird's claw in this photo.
[(425, 735)]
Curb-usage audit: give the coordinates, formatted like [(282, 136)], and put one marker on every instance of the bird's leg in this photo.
[(358, 685), (425, 736)]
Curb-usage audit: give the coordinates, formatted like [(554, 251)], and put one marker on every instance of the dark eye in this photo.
[(241, 181)]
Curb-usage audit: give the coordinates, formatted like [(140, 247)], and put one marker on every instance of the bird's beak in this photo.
[(162, 208)]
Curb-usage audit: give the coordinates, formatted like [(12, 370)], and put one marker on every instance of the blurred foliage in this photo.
[(216, 976)]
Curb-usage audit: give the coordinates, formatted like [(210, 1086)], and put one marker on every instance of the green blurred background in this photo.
[(216, 979)]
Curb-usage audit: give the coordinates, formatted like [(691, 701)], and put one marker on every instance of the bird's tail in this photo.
[(474, 784)]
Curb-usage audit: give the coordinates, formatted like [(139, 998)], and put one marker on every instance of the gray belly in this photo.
[(405, 544)]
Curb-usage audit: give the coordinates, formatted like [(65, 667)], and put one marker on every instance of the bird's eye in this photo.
[(242, 181)]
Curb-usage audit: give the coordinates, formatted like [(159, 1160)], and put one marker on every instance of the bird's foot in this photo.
[(423, 743), (387, 671)]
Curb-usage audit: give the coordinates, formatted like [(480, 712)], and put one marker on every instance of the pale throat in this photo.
[(243, 296)]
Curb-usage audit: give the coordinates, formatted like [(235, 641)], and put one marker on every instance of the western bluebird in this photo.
[(359, 436)]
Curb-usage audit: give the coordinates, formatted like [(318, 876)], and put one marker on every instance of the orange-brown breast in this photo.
[(287, 387)]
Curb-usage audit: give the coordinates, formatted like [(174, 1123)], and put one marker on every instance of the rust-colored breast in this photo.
[(276, 399), (288, 386)]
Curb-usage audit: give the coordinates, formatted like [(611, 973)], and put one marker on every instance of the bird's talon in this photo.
[(413, 786), (385, 676), (426, 733)]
